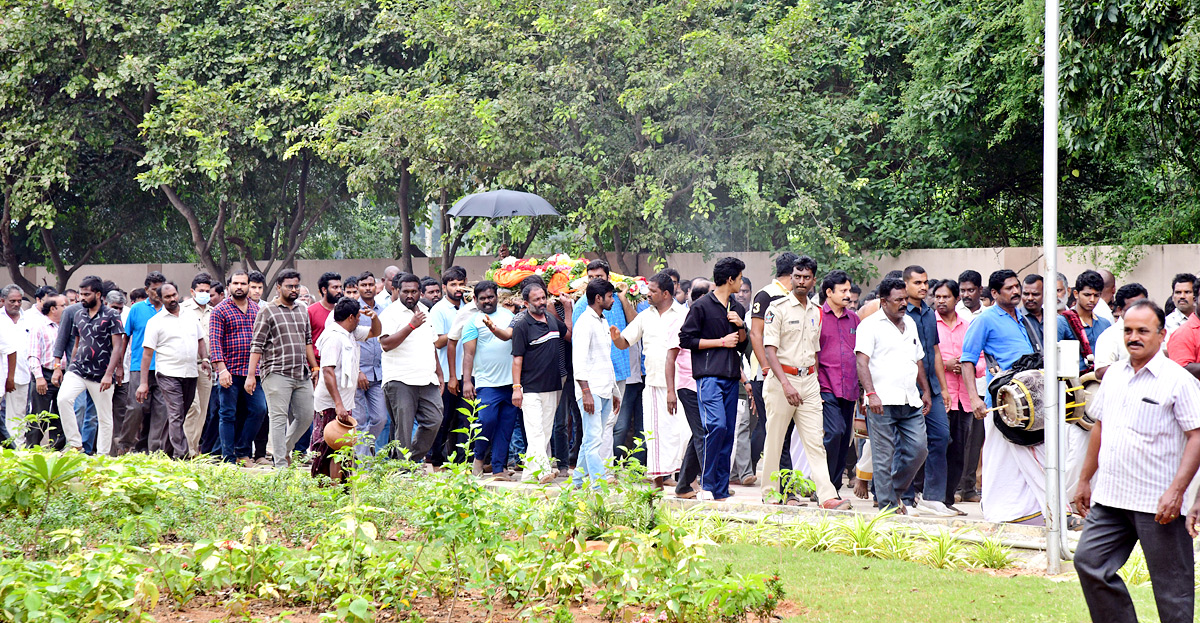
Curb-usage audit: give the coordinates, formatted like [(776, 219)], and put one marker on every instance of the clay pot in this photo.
[(336, 432)]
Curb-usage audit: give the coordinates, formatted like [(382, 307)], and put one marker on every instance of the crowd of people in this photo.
[(703, 381), (892, 392)]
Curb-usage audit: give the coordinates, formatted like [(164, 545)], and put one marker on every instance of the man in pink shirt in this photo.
[(681, 388), (952, 328)]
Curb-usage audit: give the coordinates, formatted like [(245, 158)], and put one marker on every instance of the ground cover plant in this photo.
[(143, 537), (100, 539)]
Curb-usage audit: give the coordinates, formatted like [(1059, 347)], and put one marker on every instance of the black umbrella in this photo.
[(502, 204)]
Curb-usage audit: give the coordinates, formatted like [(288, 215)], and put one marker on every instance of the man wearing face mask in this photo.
[(199, 308), (177, 340)]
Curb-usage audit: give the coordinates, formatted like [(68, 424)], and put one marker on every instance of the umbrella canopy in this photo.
[(502, 204)]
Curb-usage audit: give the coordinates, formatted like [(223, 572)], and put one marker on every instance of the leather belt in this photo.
[(794, 371)]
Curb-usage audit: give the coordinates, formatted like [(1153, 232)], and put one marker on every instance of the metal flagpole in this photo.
[(1054, 502)]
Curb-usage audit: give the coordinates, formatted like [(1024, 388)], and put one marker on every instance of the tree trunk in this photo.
[(63, 274), (406, 227), (619, 249), (523, 247), (8, 250), (452, 241), (199, 243), (444, 218)]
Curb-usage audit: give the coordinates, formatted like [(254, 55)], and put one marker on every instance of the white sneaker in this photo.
[(935, 508), (704, 495)]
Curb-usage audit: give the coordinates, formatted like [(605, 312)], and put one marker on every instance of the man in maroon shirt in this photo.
[(836, 371), (330, 288)]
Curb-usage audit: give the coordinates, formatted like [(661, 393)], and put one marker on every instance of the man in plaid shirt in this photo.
[(230, 331), (282, 340)]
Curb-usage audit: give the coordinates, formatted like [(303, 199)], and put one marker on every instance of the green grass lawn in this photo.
[(834, 587)]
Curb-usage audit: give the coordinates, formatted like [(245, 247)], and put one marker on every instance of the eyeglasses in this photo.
[(284, 286)]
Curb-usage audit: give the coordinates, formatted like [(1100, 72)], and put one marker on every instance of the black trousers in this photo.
[(446, 443), (567, 434), (971, 458), (49, 434), (1109, 535), (956, 452), (758, 437), (693, 458)]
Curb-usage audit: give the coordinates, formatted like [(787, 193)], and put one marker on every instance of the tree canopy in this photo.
[(258, 132)]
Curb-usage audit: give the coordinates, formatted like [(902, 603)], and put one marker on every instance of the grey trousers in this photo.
[(126, 435), (1109, 535), (414, 403), (289, 412), (166, 433)]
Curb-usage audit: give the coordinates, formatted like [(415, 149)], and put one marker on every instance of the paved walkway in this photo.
[(745, 503)]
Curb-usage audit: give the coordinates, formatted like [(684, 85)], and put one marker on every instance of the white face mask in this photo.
[(202, 298)]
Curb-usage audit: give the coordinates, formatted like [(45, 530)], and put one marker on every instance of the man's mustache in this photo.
[(1128, 344)]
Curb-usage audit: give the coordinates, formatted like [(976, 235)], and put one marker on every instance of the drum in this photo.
[(1080, 411), (1019, 402)]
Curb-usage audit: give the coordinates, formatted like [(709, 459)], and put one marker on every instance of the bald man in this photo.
[(389, 274)]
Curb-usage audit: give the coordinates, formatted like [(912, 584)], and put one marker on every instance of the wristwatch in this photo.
[(516, 386)]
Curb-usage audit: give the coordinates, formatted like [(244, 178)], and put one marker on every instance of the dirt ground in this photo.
[(213, 609)]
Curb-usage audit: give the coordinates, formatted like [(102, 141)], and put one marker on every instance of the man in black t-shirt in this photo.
[(537, 377), (752, 430)]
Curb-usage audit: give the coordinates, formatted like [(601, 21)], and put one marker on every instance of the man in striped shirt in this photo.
[(1143, 452)]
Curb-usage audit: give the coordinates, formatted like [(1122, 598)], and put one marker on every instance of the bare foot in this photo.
[(860, 489)]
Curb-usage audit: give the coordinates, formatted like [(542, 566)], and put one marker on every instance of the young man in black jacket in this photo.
[(716, 334)]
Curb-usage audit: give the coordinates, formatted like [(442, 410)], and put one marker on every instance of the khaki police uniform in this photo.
[(795, 332)]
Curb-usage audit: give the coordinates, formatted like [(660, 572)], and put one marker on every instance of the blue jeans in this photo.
[(718, 410), (518, 444), (370, 410), (90, 425), (932, 476), (898, 449), (385, 435), (236, 405), (591, 466), (837, 415), (496, 422)]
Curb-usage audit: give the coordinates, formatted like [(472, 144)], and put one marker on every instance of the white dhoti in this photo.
[(799, 457), (1076, 444), (666, 435), (1014, 477), (865, 466)]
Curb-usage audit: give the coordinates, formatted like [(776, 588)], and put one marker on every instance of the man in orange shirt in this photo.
[(1184, 347)]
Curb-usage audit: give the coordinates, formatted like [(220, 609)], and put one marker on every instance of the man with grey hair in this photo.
[(1063, 290), (388, 295), (16, 398)]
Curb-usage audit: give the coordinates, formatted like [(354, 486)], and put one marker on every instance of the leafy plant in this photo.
[(991, 554), (944, 550)]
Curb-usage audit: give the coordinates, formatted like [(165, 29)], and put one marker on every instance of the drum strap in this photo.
[(1076, 324)]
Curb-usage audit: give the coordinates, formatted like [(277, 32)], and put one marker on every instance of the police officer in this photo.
[(792, 335)]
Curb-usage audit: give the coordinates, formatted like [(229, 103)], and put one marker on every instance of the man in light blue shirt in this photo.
[(140, 313), (370, 407), (487, 364), (619, 316), (454, 280)]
